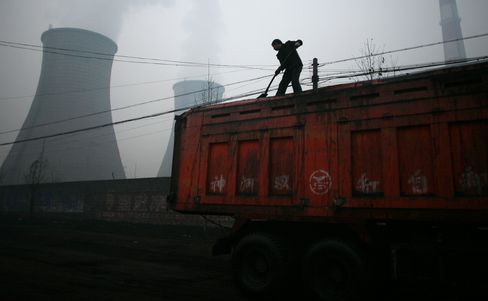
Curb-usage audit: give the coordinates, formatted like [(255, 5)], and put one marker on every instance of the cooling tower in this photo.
[(451, 30), (74, 81), (188, 94)]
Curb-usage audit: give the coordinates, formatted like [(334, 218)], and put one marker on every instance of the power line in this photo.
[(120, 58), (120, 131), (230, 98), (405, 68), (25, 45), (126, 107), (226, 99), (404, 49), (386, 70), (94, 127), (117, 86), (94, 143), (122, 121)]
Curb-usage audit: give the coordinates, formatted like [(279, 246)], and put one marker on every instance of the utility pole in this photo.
[(208, 81), (315, 75)]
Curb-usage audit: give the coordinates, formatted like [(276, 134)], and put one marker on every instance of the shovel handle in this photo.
[(269, 85)]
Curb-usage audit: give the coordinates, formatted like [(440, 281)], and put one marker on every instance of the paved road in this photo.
[(68, 260)]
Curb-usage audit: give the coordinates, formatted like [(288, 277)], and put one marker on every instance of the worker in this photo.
[(290, 62)]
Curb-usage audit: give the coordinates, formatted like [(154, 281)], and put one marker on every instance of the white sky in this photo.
[(220, 32)]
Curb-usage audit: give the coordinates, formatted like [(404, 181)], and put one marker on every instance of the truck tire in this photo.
[(259, 265), (333, 270)]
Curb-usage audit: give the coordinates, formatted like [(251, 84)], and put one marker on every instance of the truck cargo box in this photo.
[(411, 147)]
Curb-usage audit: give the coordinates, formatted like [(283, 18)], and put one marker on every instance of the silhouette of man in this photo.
[(290, 62)]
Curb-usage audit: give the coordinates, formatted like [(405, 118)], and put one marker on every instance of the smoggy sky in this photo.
[(225, 32)]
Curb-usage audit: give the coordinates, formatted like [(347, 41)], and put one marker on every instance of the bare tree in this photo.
[(210, 90), (373, 63), (36, 173), (36, 176), (209, 94)]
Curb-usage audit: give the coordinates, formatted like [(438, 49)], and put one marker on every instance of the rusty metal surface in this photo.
[(417, 142)]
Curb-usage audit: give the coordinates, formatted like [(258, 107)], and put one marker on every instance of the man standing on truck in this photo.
[(290, 62)]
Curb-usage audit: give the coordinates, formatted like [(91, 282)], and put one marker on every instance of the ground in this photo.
[(49, 260), (94, 260)]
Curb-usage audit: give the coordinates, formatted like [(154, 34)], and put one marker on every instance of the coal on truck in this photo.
[(332, 187)]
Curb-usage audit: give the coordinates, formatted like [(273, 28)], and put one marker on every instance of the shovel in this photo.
[(265, 94)]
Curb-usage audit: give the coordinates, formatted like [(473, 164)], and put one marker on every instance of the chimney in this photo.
[(451, 30)]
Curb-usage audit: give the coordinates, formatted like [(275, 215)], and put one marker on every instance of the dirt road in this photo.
[(110, 261), (93, 260)]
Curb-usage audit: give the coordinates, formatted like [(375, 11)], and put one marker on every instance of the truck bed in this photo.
[(413, 147)]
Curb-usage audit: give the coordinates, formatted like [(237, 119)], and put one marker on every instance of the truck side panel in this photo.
[(403, 148)]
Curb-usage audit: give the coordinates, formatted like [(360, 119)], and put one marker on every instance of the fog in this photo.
[(230, 38)]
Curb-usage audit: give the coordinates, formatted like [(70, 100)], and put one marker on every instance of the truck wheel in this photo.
[(333, 270), (259, 264)]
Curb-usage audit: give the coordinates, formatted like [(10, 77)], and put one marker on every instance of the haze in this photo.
[(216, 33)]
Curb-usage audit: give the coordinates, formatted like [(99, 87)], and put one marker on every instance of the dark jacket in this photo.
[(288, 55)]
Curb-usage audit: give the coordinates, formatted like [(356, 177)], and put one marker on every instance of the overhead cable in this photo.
[(403, 49), (128, 106), (118, 86), (124, 121), (120, 58), (406, 68)]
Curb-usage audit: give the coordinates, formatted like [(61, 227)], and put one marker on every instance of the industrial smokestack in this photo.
[(74, 81), (451, 30), (188, 94)]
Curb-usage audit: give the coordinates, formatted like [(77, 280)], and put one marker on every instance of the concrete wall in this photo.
[(135, 200)]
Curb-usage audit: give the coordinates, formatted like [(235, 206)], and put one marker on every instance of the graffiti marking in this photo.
[(282, 182), (366, 185), (473, 181), (418, 182), (247, 184), (320, 182), (218, 184)]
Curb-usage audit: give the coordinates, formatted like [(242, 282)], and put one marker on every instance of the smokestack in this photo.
[(451, 30), (188, 94), (71, 83)]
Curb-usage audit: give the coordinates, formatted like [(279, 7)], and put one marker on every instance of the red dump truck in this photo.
[(329, 186)]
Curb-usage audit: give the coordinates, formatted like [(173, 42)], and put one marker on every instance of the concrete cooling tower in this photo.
[(189, 93), (74, 81)]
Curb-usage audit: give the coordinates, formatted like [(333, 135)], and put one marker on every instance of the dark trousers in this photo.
[(291, 75)]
